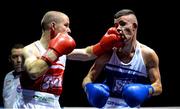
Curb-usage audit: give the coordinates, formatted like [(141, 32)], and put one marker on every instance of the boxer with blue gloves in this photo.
[(131, 71)]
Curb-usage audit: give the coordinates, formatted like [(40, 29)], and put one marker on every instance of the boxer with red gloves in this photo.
[(45, 61)]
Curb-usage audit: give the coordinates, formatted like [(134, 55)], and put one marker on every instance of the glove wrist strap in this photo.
[(50, 57)]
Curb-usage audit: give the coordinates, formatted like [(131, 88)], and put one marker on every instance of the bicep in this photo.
[(153, 68), (33, 64), (29, 57)]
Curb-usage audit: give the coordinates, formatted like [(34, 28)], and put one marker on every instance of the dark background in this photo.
[(89, 20)]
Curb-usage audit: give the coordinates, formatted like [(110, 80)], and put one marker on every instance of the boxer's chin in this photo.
[(19, 69)]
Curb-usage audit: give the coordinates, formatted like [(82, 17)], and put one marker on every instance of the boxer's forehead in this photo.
[(126, 18)]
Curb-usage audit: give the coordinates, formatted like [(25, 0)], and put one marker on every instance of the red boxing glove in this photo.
[(62, 44), (111, 39)]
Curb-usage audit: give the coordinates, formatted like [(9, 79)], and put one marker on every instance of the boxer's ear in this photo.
[(135, 25), (52, 30)]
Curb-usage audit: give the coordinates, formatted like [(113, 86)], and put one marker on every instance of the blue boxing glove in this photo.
[(136, 94), (97, 94)]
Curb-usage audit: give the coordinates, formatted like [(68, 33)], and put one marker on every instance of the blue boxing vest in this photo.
[(119, 73)]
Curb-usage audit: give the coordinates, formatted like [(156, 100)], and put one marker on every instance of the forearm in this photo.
[(84, 54), (155, 82), (108, 41), (36, 68), (85, 81)]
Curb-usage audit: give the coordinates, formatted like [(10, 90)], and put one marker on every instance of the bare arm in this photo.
[(95, 70), (154, 73), (33, 64), (83, 54)]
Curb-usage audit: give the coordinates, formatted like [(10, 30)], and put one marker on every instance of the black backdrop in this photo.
[(89, 20)]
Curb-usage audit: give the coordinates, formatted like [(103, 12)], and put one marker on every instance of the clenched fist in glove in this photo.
[(97, 94), (60, 45), (136, 94), (111, 39)]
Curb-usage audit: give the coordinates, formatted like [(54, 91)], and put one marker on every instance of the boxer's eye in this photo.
[(122, 23)]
